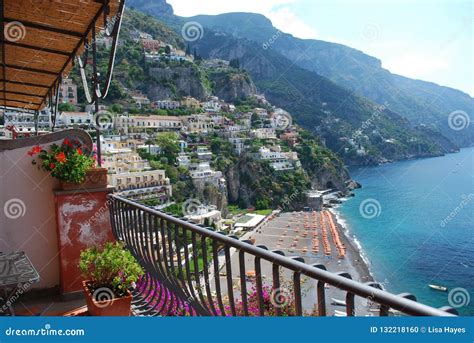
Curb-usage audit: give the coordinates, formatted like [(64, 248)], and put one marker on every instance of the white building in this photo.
[(261, 112), (84, 119), (204, 154), (23, 123), (165, 104), (213, 105), (198, 123), (141, 100), (140, 179), (264, 133), (278, 160), (160, 123), (239, 144), (183, 160), (208, 214), (202, 174)]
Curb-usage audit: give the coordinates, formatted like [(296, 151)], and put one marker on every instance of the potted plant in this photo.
[(71, 165), (109, 275)]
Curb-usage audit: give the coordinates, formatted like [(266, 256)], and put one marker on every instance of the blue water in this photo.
[(420, 227)]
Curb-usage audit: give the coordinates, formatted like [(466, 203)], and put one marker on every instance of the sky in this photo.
[(431, 40)]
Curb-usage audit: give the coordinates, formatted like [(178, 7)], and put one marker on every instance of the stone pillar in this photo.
[(82, 222)]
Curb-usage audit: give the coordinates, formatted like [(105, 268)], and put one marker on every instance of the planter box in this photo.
[(95, 178), (117, 307)]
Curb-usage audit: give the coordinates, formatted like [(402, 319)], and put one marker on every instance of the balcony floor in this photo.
[(47, 306)]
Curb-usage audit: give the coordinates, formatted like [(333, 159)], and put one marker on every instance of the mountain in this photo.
[(359, 130), (421, 102)]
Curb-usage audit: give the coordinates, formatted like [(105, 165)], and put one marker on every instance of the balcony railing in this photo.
[(192, 270)]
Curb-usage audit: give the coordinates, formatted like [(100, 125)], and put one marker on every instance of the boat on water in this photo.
[(438, 288), (338, 302), (339, 314)]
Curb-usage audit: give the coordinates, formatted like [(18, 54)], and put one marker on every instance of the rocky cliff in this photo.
[(176, 81)]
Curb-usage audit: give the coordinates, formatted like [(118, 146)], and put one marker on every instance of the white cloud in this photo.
[(189, 8), (417, 65), (277, 11), (287, 21)]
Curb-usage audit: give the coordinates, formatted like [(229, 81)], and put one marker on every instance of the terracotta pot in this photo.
[(95, 178), (116, 307)]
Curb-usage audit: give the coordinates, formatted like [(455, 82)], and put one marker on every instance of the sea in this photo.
[(414, 224)]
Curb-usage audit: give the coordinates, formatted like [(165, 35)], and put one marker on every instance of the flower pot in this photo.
[(95, 178), (108, 306)]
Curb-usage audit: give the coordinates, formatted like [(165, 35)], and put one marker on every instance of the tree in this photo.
[(66, 107), (235, 63), (168, 50), (116, 108), (169, 145), (188, 50)]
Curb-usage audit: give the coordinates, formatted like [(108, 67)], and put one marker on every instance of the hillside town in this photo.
[(128, 140), (139, 150)]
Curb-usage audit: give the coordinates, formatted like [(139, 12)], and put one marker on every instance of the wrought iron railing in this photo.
[(193, 270)]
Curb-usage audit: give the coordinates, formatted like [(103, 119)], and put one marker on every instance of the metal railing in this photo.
[(193, 270)]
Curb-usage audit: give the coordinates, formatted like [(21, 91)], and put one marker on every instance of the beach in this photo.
[(300, 234)]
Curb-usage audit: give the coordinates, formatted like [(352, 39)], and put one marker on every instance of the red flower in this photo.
[(61, 157), (52, 166), (67, 142), (34, 151), (79, 151)]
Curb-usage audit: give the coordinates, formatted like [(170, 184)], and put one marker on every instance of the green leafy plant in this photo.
[(112, 266), (66, 162)]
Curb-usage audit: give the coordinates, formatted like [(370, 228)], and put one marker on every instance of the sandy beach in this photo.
[(301, 234)]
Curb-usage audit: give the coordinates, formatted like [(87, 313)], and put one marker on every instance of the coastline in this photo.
[(286, 233), (361, 261)]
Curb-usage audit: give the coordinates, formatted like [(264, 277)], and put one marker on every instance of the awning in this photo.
[(40, 42)]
